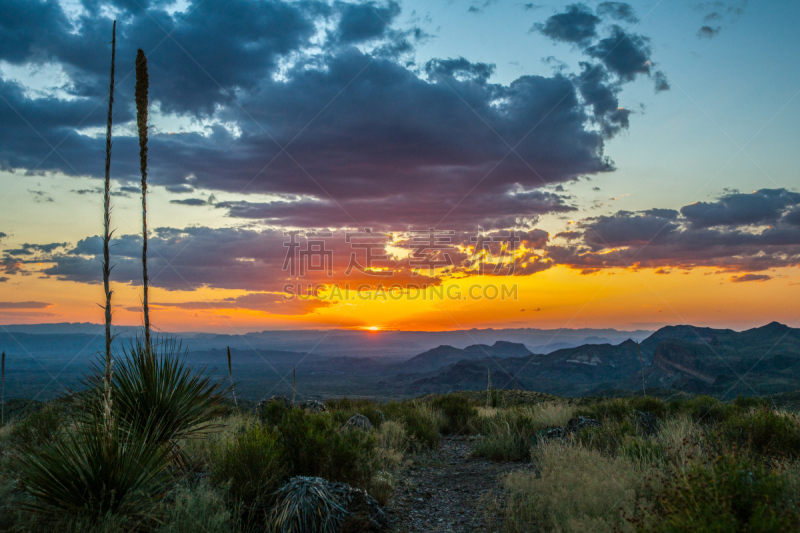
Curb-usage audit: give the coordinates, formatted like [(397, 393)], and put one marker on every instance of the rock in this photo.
[(313, 406), (647, 423), (576, 424), (265, 401), (358, 422), (573, 426)]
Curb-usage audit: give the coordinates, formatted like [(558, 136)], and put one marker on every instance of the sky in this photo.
[(420, 165)]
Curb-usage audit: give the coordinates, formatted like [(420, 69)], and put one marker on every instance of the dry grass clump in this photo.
[(578, 490)]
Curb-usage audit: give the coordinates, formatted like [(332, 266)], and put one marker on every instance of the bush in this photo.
[(507, 436), (576, 490), (764, 432), (343, 408), (250, 469), (607, 439), (38, 429), (311, 446), (732, 493), (459, 413), (422, 429), (703, 409), (193, 510), (617, 409), (272, 412)]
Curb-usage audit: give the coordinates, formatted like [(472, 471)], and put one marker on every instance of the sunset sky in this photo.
[(644, 156)]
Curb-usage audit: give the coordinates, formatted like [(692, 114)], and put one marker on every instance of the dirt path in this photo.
[(448, 493)]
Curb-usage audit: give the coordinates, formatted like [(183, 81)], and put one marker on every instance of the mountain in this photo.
[(442, 356), (722, 362)]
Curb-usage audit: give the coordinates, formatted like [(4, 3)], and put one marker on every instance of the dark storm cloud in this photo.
[(577, 25), (625, 54), (618, 11), (739, 232), (764, 206), (362, 22), (297, 111), (622, 53)]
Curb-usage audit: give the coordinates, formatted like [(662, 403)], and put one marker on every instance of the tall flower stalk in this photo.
[(142, 86), (107, 237), (230, 373)]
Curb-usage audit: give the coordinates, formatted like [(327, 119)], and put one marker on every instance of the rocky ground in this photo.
[(449, 492)]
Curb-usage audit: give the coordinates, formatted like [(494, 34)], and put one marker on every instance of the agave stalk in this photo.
[(294, 384), (230, 373), (107, 237), (641, 365), (142, 86), (488, 388), (3, 365)]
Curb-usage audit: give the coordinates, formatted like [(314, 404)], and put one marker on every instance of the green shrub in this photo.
[(459, 413), (311, 445), (764, 432), (343, 408), (616, 409), (421, 429), (507, 436), (250, 469), (732, 493), (198, 509), (38, 429), (703, 409), (607, 439), (745, 403), (649, 405), (271, 413)]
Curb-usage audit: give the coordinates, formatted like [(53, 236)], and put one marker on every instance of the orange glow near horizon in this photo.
[(555, 298)]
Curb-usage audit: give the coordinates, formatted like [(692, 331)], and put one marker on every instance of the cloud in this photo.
[(311, 102), (618, 11), (3, 235), (190, 201), (750, 277), (764, 206), (739, 232), (24, 305), (707, 32), (723, 13), (364, 21), (577, 25), (624, 54)]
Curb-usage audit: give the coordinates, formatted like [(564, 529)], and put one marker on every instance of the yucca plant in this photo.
[(97, 470), (182, 403), (309, 504)]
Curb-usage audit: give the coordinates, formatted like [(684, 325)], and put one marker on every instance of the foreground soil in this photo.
[(450, 491)]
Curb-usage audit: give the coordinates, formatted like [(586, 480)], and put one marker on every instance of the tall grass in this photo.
[(576, 490)]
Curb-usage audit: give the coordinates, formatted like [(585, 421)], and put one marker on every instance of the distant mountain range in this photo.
[(722, 362)]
